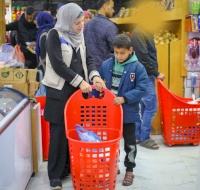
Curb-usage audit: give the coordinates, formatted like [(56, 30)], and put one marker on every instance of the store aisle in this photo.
[(169, 168)]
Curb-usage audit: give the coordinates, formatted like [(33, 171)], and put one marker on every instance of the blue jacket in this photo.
[(133, 86), (99, 33)]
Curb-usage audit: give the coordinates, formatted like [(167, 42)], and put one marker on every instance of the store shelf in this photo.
[(127, 20), (175, 14)]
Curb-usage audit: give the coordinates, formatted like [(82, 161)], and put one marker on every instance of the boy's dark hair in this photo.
[(122, 41), (100, 3), (29, 10)]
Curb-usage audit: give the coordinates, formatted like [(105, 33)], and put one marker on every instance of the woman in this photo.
[(87, 17), (44, 22), (69, 67)]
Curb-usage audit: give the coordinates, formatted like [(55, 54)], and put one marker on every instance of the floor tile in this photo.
[(168, 168)]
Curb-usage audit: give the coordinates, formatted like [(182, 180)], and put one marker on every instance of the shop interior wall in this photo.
[(85, 4)]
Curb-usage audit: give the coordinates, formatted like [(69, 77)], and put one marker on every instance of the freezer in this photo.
[(15, 140)]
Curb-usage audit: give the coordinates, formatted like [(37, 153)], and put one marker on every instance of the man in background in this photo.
[(99, 32), (26, 36), (145, 50)]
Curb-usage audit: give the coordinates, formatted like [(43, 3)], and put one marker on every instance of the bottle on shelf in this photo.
[(195, 6), (22, 9), (14, 15), (18, 11)]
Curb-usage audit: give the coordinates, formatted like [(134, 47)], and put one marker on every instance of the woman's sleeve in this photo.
[(54, 51)]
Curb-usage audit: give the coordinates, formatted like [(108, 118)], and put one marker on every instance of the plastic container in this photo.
[(45, 128), (94, 165), (180, 120)]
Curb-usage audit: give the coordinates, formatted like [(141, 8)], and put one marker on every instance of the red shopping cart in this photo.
[(180, 120), (94, 165), (45, 128)]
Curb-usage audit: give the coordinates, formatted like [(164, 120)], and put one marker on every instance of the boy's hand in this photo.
[(98, 83), (85, 87), (119, 101)]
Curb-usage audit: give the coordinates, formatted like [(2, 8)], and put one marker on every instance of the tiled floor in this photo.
[(169, 168)]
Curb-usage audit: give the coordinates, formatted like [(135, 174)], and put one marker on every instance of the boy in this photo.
[(126, 77)]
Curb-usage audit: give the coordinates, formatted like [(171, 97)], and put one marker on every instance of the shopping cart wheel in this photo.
[(170, 144)]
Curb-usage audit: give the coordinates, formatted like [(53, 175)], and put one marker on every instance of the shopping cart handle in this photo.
[(105, 93)]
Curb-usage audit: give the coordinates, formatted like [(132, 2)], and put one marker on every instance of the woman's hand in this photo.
[(85, 87), (98, 83)]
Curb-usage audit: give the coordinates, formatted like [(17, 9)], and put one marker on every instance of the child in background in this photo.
[(126, 77)]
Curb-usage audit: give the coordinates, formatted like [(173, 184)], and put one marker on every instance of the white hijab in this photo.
[(66, 16)]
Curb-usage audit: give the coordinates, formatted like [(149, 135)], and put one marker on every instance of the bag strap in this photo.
[(42, 61)]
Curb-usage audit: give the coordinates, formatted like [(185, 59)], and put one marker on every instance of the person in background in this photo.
[(87, 17), (26, 35), (46, 8), (126, 77), (45, 23), (35, 14), (58, 6), (66, 72), (100, 31), (144, 47), (53, 10)]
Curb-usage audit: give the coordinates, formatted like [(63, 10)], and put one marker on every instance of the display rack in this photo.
[(193, 33)]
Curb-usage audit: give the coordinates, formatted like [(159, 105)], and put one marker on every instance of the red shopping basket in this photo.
[(94, 165), (180, 120), (45, 128)]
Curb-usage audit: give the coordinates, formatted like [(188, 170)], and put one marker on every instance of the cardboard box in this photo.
[(6, 74), (31, 75), (32, 88), (13, 75), (22, 87), (36, 134)]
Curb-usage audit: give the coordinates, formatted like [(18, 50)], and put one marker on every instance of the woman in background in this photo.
[(87, 17), (44, 22)]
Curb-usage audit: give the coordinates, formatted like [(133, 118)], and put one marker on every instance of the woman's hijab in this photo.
[(45, 22), (66, 16)]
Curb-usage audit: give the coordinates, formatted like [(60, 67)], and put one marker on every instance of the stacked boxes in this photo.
[(23, 80)]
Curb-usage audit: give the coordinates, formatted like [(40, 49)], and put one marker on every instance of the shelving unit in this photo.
[(191, 35), (170, 55)]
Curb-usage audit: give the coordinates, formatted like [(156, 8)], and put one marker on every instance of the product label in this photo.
[(5, 74), (19, 75)]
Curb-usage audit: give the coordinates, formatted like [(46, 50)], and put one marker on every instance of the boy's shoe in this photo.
[(150, 144), (55, 184), (128, 179)]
